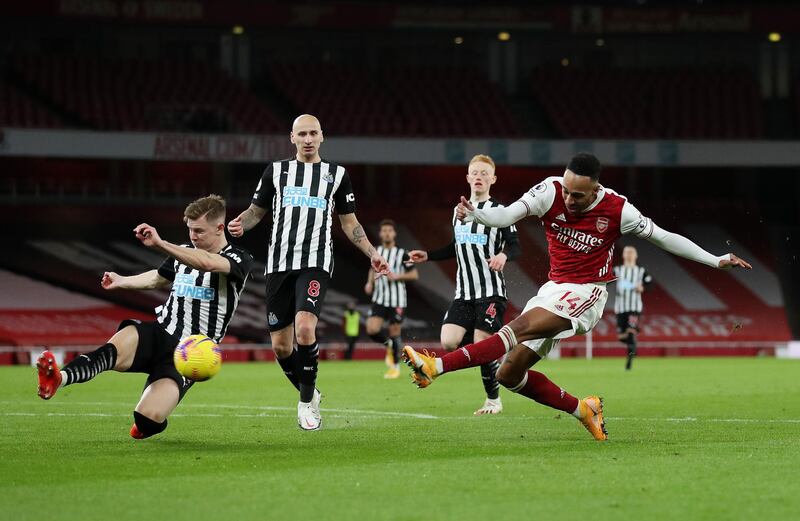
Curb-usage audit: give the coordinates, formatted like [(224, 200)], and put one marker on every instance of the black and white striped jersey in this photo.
[(392, 293), (203, 302), (475, 244), (627, 299), (302, 197)]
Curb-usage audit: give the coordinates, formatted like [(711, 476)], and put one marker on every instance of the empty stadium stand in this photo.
[(142, 95), (18, 110), (645, 104), (396, 101)]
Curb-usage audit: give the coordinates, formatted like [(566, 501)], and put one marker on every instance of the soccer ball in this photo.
[(198, 358)]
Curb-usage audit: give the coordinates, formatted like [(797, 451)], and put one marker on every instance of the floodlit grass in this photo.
[(689, 439)]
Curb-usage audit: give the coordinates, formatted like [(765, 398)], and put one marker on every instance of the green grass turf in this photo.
[(689, 439)]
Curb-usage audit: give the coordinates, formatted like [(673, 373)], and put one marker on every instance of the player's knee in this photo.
[(449, 346), (507, 377), (148, 423), (151, 413), (373, 330), (305, 334), (282, 350)]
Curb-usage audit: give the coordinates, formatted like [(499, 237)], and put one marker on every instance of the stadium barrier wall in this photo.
[(386, 150)]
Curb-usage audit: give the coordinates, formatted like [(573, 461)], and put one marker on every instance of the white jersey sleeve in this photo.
[(634, 223), (539, 199)]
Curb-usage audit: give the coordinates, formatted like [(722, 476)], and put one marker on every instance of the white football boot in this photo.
[(490, 407), (315, 403), (306, 419)]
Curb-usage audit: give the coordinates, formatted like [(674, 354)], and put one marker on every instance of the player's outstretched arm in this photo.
[(147, 280), (418, 256), (494, 217), (408, 276), (681, 246), (198, 259), (369, 286), (355, 232), (445, 252), (246, 220)]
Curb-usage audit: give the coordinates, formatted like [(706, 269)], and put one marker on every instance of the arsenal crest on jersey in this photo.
[(602, 224)]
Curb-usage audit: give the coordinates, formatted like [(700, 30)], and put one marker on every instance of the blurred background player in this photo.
[(351, 324), (481, 252), (389, 297), (303, 193), (631, 282), (210, 263), (582, 221)]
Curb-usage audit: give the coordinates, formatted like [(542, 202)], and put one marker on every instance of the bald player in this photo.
[(302, 194)]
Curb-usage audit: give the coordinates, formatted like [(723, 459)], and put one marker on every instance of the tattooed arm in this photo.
[(355, 232)]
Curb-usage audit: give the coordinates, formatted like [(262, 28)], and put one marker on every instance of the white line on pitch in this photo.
[(688, 419), (358, 412)]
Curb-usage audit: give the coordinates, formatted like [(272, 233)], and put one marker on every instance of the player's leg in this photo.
[(395, 331), (631, 341), (489, 320), (158, 401), (117, 354), (515, 375), (305, 326), (457, 324), (280, 319), (286, 355), (557, 311), (535, 323), (452, 336), (374, 327), (493, 404), (632, 329), (310, 289), (623, 335)]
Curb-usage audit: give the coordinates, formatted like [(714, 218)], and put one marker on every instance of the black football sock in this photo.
[(489, 377), (146, 426), (397, 347), (290, 368), (381, 338), (307, 370), (86, 366), (631, 341)]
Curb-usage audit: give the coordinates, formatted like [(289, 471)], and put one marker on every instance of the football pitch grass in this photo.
[(689, 439)]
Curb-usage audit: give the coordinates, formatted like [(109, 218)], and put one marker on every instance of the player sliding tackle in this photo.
[(582, 221), (207, 278)]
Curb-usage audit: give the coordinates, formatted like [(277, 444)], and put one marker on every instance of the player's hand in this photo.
[(235, 227), (392, 275), (464, 210), (640, 288), (418, 256), (147, 234), (735, 262), (497, 262), (379, 265), (110, 280), (368, 288)]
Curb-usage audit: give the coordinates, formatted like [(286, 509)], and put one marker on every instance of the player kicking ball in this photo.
[(207, 278), (582, 221)]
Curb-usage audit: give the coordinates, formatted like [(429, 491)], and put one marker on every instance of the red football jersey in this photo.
[(581, 246)]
